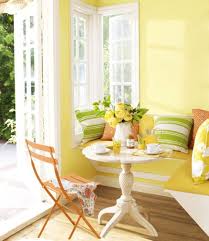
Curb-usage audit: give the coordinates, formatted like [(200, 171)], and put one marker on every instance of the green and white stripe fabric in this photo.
[(92, 126), (173, 132)]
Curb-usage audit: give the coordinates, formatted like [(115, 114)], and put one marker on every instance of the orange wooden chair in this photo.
[(47, 156)]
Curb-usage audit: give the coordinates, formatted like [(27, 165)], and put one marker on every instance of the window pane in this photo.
[(126, 46), (127, 94), (33, 102), (76, 96), (32, 62), (126, 28), (83, 96), (74, 48), (74, 27), (81, 50), (24, 63), (82, 73), (116, 53), (24, 31), (74, 73), (31, 21), (117, 94), (32, 88), (127, 72), (81, 27), (116, 73)]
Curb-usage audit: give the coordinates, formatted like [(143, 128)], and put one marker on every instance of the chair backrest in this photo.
[(47, 152), (43, 153)]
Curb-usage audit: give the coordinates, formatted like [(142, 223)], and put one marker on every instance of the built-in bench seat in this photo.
[(182, 181)]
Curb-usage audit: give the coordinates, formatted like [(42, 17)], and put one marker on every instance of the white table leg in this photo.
[(125, 204)]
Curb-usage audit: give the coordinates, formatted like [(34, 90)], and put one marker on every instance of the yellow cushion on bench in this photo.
[(182, 181)]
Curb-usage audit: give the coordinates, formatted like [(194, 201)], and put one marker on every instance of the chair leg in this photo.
[(48, 217), (63, 210), (74, 228), (92, 229)]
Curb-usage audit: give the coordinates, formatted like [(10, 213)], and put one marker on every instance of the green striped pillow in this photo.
[(173, 132), (92, 126)]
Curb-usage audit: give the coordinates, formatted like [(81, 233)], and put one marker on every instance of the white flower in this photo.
[(197, 168)]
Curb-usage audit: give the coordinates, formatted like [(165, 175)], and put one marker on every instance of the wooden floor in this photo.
[(170, 220)]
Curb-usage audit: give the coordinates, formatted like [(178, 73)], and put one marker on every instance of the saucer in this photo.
[(102, 152), (153, 152)]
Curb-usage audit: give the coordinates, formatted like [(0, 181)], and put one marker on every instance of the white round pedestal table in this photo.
[(126, 203)]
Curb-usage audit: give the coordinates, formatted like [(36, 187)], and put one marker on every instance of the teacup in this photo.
[(153, 148), (99, 148)]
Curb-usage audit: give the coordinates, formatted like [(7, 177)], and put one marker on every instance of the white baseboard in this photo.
[(138, 187)]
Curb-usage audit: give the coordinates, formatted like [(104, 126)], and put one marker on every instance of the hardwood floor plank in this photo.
[(168, 217)]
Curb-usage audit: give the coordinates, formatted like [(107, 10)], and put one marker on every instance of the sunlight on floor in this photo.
[(58, 229)]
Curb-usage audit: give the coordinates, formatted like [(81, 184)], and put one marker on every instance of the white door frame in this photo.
[(50, 73)]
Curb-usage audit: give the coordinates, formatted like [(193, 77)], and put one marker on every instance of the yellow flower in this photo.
[(128, 116), (108, 115), (113, 122), (119, 106), (120, 114)]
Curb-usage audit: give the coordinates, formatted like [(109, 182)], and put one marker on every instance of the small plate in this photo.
[(107, 150), (153, 153)]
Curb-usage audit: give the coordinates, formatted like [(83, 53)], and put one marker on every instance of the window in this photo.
[(80, 60), (82, 74), (120, 51)]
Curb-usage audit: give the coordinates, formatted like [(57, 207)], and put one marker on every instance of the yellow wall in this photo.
[(174, 64), (72, 159), (174, 57)]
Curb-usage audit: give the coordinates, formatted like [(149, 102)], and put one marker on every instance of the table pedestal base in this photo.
[(125, 205)]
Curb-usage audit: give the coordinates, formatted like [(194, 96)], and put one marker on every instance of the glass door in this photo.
[(28, 77)]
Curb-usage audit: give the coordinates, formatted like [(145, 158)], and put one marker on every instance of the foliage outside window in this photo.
[(7, 83)]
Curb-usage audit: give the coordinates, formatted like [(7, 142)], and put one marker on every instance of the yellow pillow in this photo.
[(200, 161)]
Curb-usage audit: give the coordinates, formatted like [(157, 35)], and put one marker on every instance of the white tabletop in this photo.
[(125, 157)]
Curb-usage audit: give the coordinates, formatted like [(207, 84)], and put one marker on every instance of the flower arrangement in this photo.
[(118, 113)]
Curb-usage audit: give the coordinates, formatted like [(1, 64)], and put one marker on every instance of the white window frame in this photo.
[(95, 52), (90, 11), (133, 9)]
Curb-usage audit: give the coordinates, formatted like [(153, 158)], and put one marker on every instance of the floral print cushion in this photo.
[(85, 192), (200, 156)]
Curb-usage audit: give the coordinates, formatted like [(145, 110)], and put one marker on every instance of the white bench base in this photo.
[(197, 206)]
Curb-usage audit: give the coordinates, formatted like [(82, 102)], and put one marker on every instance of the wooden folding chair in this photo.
[(47, 156)]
